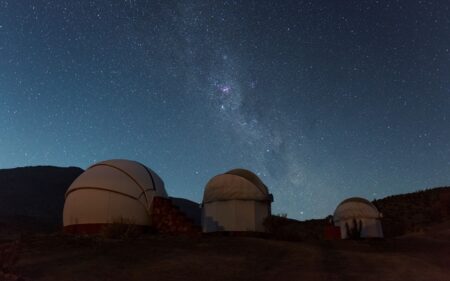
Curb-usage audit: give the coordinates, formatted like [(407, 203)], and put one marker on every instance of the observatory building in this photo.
[(235, 201), (358, 213), (111, 191)]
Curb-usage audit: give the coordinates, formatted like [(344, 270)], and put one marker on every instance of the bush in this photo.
[(282, 228), (122, 229), (355, 231)]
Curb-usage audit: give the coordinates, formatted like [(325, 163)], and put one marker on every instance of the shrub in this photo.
[(122, 229), (355, 231), (282, 228)]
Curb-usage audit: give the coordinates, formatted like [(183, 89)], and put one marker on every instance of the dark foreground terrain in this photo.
[(421, 256), (417, 248)]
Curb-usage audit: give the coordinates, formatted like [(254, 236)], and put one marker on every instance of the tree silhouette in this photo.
[(354, 232)]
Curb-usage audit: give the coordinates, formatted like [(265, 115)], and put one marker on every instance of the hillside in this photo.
[(34, 196), (412, 212)]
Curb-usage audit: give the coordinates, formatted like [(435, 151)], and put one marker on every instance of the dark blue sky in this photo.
[(323, 99)]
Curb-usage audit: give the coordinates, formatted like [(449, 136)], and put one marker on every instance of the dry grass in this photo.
[(121, 229), (283, 228)]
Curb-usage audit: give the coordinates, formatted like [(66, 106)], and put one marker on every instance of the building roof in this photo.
[(251, 177), (238, 184), (356, 199), (129, 178), (355, 207)]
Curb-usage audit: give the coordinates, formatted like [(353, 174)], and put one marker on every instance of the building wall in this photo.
[(234, 215), (262, 211)]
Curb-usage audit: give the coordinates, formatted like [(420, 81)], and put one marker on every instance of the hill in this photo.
[(33, 197), (412, 212)]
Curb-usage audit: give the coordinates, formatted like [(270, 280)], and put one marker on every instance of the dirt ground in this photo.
[(416, 257)]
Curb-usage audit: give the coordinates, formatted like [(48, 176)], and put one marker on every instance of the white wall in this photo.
[(234, 215), (86, 206)]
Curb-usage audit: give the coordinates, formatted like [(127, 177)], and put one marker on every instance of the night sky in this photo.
[(322, 99)]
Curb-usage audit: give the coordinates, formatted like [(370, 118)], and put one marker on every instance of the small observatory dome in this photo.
[(108, 192), (359, 210), (235, 201), (238, 184)]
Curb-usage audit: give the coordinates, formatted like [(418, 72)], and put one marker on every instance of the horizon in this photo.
[(322, 100), (273, 203)]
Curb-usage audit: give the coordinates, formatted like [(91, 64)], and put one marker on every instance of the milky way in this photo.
[(322, 99)]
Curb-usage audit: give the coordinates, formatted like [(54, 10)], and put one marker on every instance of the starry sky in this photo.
[(322, 99)]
